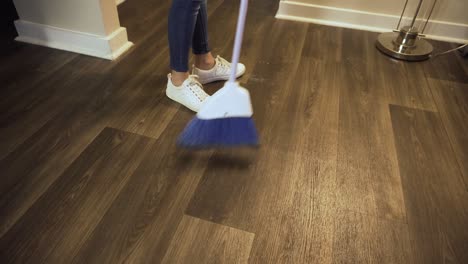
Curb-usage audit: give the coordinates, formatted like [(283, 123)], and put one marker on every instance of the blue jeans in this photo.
[(187, 27)]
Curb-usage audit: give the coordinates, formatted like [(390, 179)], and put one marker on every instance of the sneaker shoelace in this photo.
[(223, 65), (196, 87)]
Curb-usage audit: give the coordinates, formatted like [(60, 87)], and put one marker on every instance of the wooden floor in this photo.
[(363, 159)]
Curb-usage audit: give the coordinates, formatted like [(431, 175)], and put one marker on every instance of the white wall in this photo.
[(455, 11), (449, 20), (82, 15), (90, 27)]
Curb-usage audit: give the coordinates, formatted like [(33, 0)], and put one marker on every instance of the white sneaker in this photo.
[(220, 72), (189, 94)]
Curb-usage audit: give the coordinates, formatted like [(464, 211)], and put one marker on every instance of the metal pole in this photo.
[(430, 14), (417, 13), (402, 13)]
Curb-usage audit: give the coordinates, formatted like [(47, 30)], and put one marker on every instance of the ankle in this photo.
[(178, 78), (205, 61), (205, 65)]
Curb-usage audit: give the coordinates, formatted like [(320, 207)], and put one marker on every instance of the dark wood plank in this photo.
[(29, 170), (452, 104), (395, 81), (323, 43), (367, 165), (359, 238), (400, 83), (28, 111), (449, 67), (435, 196), (251, 46), (200, 241), (356, 46), (36, 62), (153, 200), (61, 220), (367, 174)]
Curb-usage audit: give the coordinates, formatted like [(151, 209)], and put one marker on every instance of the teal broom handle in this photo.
[(238, 39)]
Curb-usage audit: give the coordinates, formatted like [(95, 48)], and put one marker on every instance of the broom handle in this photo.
[(238, 39)]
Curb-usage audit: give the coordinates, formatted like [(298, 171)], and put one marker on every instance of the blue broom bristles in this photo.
[(221, 132)]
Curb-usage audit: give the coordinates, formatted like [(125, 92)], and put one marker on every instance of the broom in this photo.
[(225, 120)]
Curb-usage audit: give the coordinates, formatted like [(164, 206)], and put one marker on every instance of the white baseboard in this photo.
[(356, 19), (119, 2), (109, 47)]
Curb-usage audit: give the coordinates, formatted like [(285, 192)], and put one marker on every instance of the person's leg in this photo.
[(207, 68), (182, 18), (181, 87), (200, 45)]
